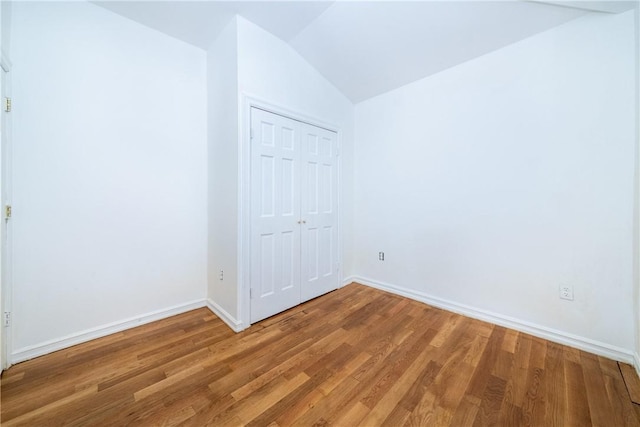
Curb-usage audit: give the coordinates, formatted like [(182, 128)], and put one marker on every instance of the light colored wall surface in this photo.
[(273, 70), (109, 171), (492, 183), (222, 80), (5, 26)]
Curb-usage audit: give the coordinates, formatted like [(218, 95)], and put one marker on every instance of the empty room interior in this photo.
[(346, 213)]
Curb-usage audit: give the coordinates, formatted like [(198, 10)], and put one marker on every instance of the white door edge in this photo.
[(6, 283)]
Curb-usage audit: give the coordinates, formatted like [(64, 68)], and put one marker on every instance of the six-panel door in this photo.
[(293, 213), (319, 212)]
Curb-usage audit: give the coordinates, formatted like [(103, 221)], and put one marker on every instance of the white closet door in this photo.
[(275, 213), (319, 211), (294, 202)]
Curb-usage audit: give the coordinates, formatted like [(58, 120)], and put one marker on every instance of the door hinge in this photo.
[(7, 319), (250, 293), (7, 212), (7, 105), (250, 133)]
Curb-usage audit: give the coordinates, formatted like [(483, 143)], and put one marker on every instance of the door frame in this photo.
[(244, 197), (6, 283)]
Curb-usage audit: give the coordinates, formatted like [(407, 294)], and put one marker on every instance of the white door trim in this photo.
[(5, 64), (249, 101), (6, 280)]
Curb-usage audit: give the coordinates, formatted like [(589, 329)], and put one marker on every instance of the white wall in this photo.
[(222, 80), (5, 27), (109, 172), (490, 184), (270, 70)]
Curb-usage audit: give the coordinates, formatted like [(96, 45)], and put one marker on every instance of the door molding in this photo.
[(6, 254), (5, 64), (249, 101)]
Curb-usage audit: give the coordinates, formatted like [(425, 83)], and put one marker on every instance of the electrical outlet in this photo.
[(221, 275), (566, 292), (380, 256)]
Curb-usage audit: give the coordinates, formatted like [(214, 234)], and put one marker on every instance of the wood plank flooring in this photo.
[(357, 356), (632, 381)]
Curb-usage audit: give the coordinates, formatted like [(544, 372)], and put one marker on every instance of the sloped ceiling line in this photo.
[(366, 48)]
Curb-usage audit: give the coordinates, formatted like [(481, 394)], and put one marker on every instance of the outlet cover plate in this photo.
[(566, 292)]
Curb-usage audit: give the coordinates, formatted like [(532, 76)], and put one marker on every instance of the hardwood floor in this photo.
[(356, 356)]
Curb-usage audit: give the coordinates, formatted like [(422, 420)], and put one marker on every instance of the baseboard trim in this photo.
[(560, 337), (348, 280), (224, 315), (50, 346)]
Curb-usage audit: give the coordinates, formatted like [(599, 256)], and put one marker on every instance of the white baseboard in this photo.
[(50, 346), (348, 280), (560, 337), (224, 315)]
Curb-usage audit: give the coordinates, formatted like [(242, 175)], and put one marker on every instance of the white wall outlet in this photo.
[(380, 256), (566, 292), (221, 275)]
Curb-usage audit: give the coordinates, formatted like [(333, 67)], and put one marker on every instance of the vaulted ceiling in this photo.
[(366, 48)]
